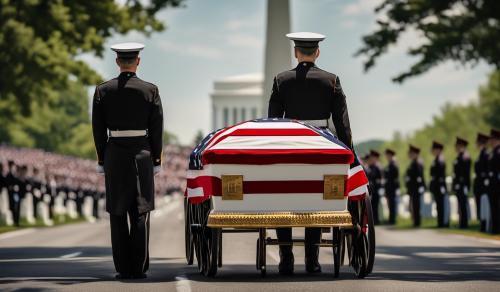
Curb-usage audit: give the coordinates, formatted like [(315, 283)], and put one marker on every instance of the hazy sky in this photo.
[(212, 39)]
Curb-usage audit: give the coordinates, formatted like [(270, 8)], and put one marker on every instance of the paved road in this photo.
[(77, 258)]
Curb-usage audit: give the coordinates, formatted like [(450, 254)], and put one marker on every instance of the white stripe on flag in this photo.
[(358, 191), (277, 142), (355, 170), (196, 192)]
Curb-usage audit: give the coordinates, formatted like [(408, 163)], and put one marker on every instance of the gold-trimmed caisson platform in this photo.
[(279, 219)]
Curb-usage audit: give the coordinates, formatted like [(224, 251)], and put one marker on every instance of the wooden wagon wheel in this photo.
[(188, 234), (358, 242), (368, 228)]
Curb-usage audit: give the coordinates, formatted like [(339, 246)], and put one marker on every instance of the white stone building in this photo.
[(236, 99)]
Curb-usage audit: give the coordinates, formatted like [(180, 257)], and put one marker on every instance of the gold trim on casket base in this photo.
[(232, 187), (279, 219), (333, 187)]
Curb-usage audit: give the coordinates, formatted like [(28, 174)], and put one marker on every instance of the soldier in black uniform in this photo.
[(415, 184), (481, 180), (375, 179), (127, 120), (437, 185), (391, 184), (3, 179), (461, 180), (12, 182), (311, 94), (494, 183)]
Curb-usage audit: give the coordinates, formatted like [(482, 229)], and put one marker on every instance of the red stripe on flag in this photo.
[(274, 132), (356, 180), (273, 156)]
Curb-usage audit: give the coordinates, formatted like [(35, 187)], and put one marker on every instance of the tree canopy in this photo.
[(466, 31), (42, 80)]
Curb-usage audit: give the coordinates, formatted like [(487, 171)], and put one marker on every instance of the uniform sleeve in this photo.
[(276, 103), (155, 129), (340, 115), (99, 127)]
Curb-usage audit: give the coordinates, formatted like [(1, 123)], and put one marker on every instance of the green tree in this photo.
[(467, 31), (42, 82), (489, 100)]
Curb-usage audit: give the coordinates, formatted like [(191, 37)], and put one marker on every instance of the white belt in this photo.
[(128, 133), (317, 123)]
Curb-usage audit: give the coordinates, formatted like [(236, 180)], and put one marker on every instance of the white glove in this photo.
[(381, 191), (99, 169), (421, 190), (398, 192), (156, 169)]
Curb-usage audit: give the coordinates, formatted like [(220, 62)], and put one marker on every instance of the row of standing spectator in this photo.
[(486, 182)]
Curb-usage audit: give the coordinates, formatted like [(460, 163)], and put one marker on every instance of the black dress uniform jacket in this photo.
[(375, 179), (309, 93), (128, 103)]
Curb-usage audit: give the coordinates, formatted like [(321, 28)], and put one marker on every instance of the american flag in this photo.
[(268, 142)]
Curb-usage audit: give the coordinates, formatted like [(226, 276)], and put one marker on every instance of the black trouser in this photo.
[(463, 221), (130, 248), (35, 205), (375, 197), (439, 199), (477, 199), (391, 204), (15, 208), (495, 211), (415, 208), (312, 237)]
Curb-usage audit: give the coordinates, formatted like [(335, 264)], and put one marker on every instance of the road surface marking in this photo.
[(54, 259), (386, 256), (47, 278), (182, 284), (16, 233), (444, 255), (71, 255)]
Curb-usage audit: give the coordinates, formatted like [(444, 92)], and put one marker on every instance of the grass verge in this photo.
[(431, 223), (58, 220)]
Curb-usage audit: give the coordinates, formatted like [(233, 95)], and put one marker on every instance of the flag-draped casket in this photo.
[(275, 172)]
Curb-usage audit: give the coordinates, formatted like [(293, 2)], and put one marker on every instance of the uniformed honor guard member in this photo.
[(481, 180), (311, 94), (461, 180), (437, 185), (127, 120), (391, 184), (376, 187), (415, 184), (494, 184)]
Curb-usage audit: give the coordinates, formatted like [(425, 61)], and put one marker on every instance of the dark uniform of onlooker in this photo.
[(461, 180), (311, 94), (35, 187), (127, 120), (13, 188), (437, 185), (494, 183), (391, 184), (415, 184), (375, 180), (481, 180)]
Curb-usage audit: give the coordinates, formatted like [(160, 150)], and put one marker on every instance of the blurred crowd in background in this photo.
[(45, 176)]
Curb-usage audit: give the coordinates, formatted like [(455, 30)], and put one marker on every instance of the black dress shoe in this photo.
[(121, 276), (313, 267), (287, 260), (140, 276)]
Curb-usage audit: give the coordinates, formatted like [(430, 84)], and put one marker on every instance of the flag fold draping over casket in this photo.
[(271, 142)]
